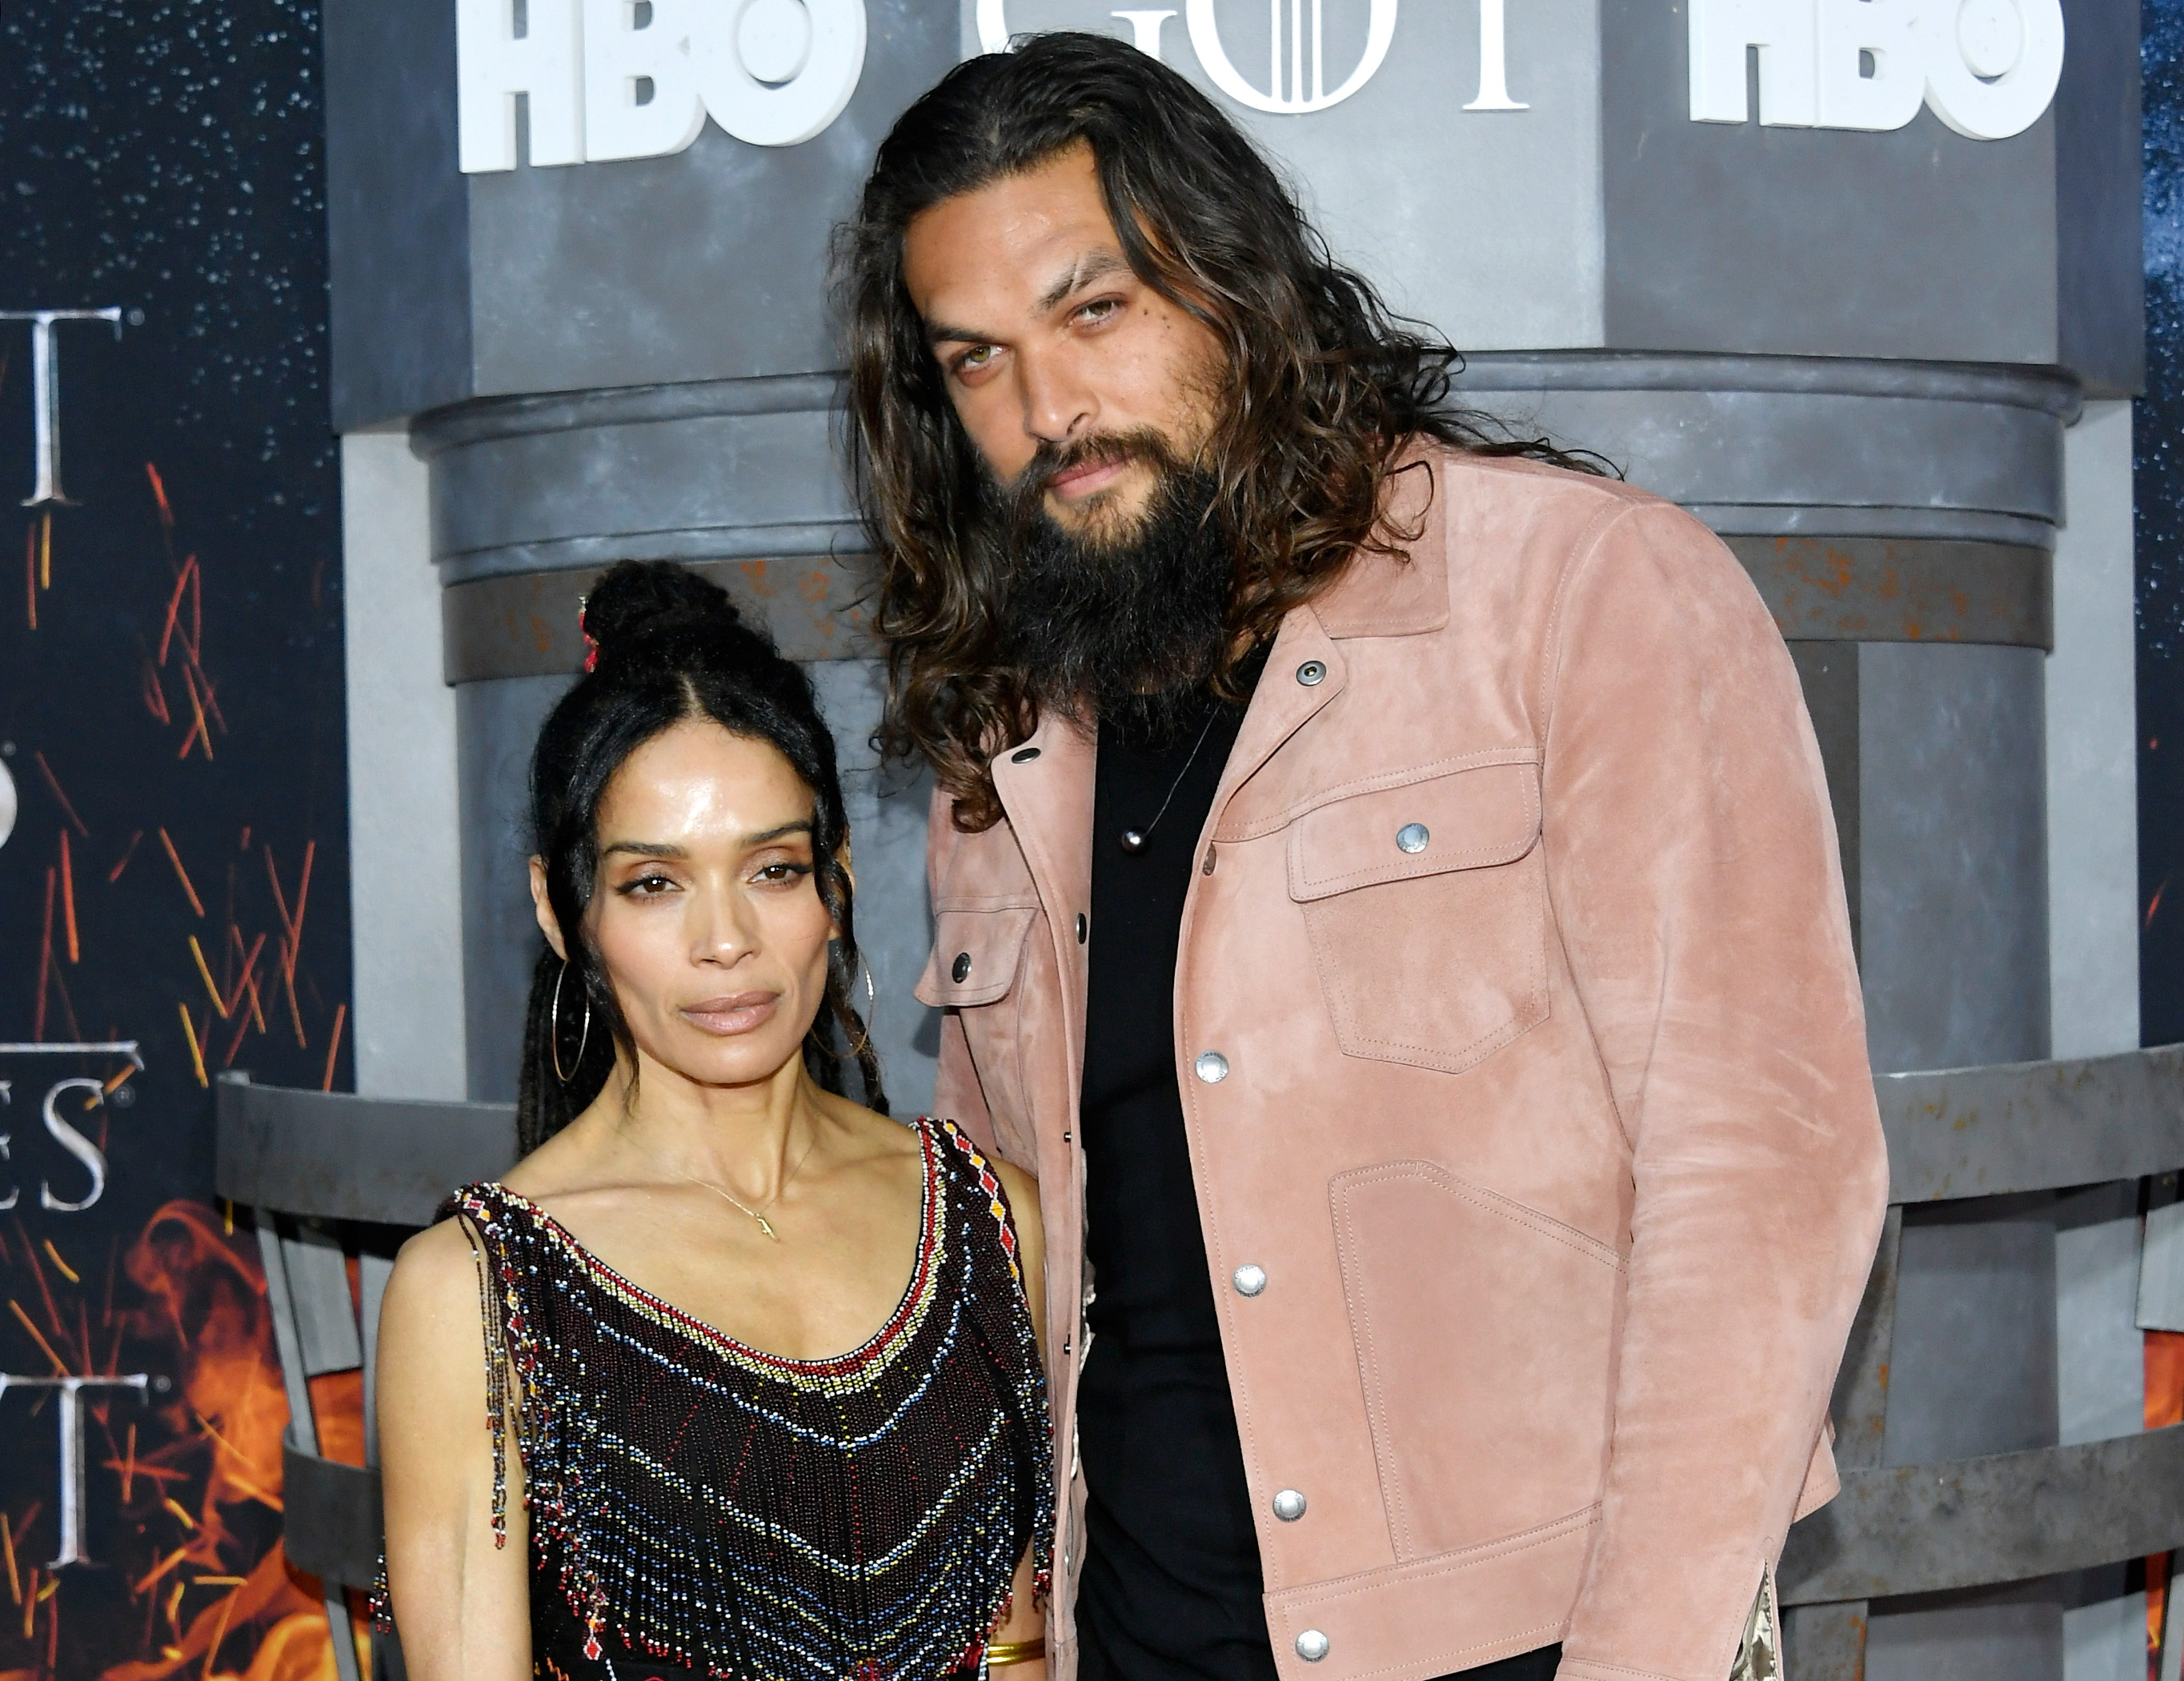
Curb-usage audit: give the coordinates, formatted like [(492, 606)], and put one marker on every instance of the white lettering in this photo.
[(494, 64), (77, 1145), (640, 89), (1991, 65), (1988, 68), (46, 408), (1302, 97), (71, 1416), (1782, 31), (1145, 29), (616, 78), (776, 72), (1493, 62), (1854, 34)]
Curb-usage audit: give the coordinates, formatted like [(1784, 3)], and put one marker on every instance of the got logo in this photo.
[(1297, 74)]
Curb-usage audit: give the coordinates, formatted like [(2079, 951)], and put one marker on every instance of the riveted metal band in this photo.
[(2003, 1518), (524, 624)]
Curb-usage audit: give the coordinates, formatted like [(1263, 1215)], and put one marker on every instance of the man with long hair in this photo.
[(1385, 889)]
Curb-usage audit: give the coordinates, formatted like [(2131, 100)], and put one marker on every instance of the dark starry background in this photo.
[(167, 157), (2158, 432)]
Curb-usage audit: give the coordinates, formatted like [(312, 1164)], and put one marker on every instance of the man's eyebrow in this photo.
[(1091, 266), (939, 332)]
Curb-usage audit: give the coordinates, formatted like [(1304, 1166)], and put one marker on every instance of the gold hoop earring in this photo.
[(554, 1027), (864, 1035), (871, 1010)]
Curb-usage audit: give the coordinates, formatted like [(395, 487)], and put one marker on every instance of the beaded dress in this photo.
[(697, 1507)]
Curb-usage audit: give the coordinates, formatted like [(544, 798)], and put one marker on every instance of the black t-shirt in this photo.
[(1171, 1585)]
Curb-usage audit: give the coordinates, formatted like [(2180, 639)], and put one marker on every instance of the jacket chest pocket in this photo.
[(976, 964), (1426, 907)]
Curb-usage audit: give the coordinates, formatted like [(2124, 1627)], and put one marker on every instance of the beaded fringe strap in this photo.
[(497, 1381)]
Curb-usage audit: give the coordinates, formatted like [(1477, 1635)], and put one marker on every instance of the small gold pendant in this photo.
[(765, 1228)]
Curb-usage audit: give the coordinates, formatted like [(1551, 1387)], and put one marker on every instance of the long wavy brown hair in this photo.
[(1321, 386)]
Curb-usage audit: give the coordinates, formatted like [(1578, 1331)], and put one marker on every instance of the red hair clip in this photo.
[(591, 644)]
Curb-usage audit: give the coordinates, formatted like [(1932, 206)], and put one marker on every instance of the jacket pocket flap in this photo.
[(976, 954), (1461, 820)]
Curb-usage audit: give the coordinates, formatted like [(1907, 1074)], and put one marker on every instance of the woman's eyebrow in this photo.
[(802, 826)]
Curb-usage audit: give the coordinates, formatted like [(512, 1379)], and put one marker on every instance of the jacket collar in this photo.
[(1385, 595), (1378, 595)]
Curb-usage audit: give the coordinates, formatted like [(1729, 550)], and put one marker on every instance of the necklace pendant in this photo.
[(1133, 841), (765, 1228)]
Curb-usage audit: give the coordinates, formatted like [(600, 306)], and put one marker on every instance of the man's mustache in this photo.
[(1027, 492)]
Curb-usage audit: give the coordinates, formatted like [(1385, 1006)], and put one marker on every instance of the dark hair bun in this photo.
[(637, 600)]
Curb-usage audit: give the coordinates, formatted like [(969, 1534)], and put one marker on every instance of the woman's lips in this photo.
[(738, 1013)]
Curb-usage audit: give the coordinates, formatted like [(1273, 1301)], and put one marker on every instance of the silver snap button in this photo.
[(1023, 755), (1312, 673), (1311, 1645), (1084, 928), (1288, 1506), (1249, 1280), (962, 969), (1211, 1066), (1413, 837)]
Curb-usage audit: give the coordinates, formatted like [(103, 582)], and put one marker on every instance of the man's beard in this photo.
[(1126, 629)]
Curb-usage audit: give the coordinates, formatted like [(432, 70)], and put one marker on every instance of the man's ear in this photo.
[(549, 924)]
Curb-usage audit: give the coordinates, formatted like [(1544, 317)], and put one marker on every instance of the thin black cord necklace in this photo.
[(1133, 840)]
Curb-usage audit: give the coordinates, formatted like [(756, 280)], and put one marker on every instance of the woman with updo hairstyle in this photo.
[(732, 1375)]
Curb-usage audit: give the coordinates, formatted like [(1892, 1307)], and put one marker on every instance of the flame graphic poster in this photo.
[(173, 891)]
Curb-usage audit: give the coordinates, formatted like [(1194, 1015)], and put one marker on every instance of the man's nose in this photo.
[(1058, 404)]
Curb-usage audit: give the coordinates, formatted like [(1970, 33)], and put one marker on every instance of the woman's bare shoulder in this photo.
[(434, 1275)]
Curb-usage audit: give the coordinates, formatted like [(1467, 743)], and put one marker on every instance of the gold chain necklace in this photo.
[(729, 1197)]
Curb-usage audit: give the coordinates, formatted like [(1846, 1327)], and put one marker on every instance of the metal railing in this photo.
[(301, 1160)]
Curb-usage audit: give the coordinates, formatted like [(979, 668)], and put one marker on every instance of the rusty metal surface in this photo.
[(2005, 1517), (330, 1155), (1883, 589), (1825, 1642), (2032, 1126), (524, 624), (331, 1522)]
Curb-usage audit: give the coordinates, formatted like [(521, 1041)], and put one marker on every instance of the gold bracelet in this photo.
[(1016, 1651)]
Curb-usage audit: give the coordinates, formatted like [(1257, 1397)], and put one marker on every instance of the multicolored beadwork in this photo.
[(695, 1504)]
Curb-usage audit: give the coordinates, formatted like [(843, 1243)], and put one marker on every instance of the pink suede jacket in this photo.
[(1521, 1048)]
